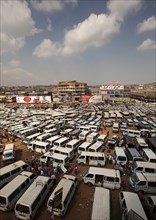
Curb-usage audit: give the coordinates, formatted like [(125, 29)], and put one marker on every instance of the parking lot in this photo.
[(93, 115)]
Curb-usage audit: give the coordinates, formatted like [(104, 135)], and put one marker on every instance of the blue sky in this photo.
[(93, 41)]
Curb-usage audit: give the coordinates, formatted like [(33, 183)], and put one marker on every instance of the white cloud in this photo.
[(15, 63), (148, 44), (16, 23), (121, 8), (49, 27), (95, 31), (47, 48), (147, 25), (51, 5)]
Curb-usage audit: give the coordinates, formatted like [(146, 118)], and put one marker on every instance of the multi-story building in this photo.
[(72, 90), (114, 91)]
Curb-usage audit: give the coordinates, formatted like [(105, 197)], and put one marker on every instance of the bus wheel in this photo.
[(89, 184), (82, 164)]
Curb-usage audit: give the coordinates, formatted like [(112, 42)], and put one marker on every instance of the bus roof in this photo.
[(133, 203), (146, 176), (104, 171), (92, 154), (34, 189), (101, 204), (11, 167)]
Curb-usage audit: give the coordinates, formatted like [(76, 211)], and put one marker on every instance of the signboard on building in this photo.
[(33, 99), (112, 87), (96, 99), (85, 97)]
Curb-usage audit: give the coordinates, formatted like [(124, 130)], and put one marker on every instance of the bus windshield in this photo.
[(22, 208)]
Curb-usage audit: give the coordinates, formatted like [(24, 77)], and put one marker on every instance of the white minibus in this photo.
[(83, 135), (120, 156), (7, 173), (61, 142), (140, 143), (108, 178), (53, 131), (73, 144), (92, 137), (148, 155), (115, 127), (11, 192), (129, 122), (29, 203), (52, 139), (38, 146), (84, 147), (62, 195), (103, 138), (133, 154), (96, 147), (84, 128), (43, 137), (131, 207), (66, 151), (31, 138), (27, 132), (142, 166), (132, 133), (92, 158), (144, 182), (101, 204), (8, 153)]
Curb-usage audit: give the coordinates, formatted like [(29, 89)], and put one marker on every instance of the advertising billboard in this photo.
[(112, 87), (96, 99), (33, 99)]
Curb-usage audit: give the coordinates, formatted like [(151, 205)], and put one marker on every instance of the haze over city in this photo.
[(95, 41)]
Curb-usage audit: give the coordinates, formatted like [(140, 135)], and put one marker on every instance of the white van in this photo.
[(96, 147), (62, 195), (108, 178), (38, 146), (92, 137), (103, 138), (101, 204), (69, 152), (31, 138), (131, 207), (61, 142), (73, 144), (7, 173), (92, 158), (115, 127), (144, 182), (148, 155), (11, 192), (142, 166), (140, 143), (133, 154), (52, 139), (84, 147), (9, 153), (83, 135), (131, 133), (120, 156), (43, 137), (29, 203)]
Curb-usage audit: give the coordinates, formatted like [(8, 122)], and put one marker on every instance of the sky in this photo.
[(98, 42)]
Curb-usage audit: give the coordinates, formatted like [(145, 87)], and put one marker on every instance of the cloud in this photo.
[(16, 23), (148, 44), (147, 25), (93, 32), (47, 48), (51, 5), (15, 63), (120, 9), (49, 27)]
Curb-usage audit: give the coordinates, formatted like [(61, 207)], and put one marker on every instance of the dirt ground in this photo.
[(81, 204)]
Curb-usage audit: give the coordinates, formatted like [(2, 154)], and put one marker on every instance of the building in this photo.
[(72, 90), (115, 92)]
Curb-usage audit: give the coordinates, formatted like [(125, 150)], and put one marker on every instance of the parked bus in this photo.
[(84, 147), (108, 178), (131, 133), (143, 182), (92, 158), (38, 146), (51, 140), (131, 207), (43, 137), (143, 166), (61, 142), (83, 135), (96, 147), (140, 143), (11, 192), (92, 137), (120, 156), (148, 155), (9, 153), (73, 144), (29, 203), (62, 195), (133, 154), (31, 138), (7, 173), (66, 151), (101, 204), (103, 138), (115, 127)]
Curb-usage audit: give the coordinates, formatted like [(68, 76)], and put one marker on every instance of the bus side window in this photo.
[(110, 179)]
